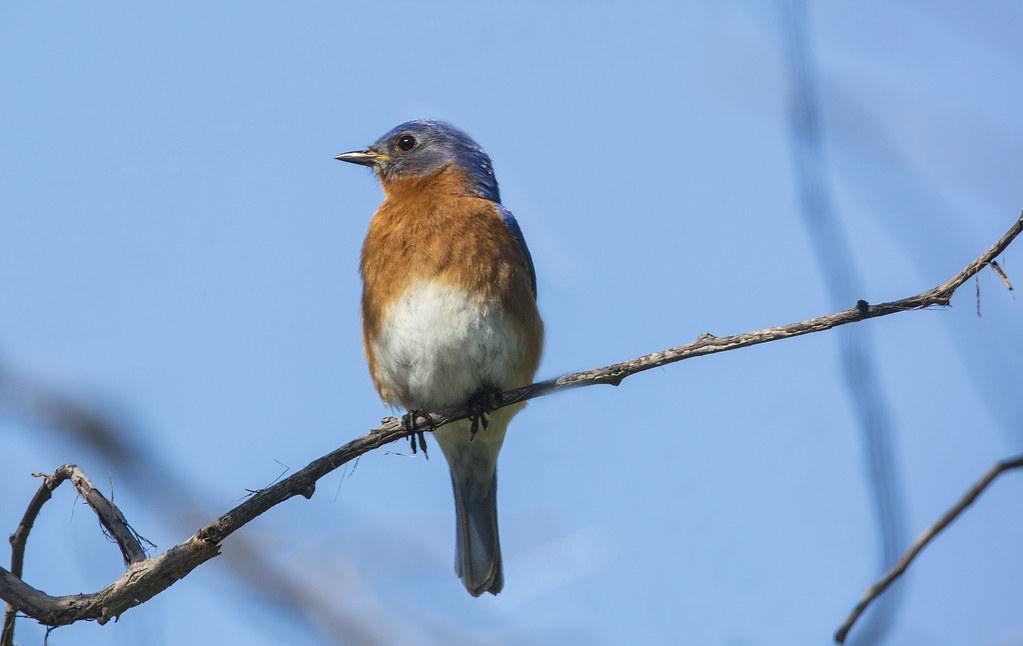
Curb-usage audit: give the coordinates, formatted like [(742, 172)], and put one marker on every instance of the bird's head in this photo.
[(421, 148)]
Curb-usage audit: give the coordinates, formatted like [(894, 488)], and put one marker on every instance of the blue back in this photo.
[(513, 225)]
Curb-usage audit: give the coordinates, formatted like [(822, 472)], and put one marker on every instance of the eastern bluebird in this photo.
[(449, 312)]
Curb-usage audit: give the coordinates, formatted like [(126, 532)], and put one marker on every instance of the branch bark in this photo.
[(342, 614), (147, 578), (110, 517), (875, 591)]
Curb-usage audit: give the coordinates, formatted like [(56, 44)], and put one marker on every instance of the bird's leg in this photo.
[(479, 405), (408, 420)]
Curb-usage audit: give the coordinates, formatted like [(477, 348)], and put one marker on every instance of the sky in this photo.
[(179, 249)]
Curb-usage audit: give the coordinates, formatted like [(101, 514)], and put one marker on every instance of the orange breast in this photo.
[(429, 228)]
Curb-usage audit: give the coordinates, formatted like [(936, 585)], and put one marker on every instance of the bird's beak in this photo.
[(363, 157)]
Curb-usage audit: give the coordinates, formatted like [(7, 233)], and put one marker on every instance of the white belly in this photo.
[(437, 347)]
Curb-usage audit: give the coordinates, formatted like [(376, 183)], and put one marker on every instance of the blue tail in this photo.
[(478, 551), (472, 460)]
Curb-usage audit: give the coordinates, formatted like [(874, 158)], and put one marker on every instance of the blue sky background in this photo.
[(179, 249)]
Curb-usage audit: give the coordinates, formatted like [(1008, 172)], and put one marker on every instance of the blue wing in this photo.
[(513, 226)]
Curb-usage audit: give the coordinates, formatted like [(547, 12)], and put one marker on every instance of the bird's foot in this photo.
[(415, 432), (479, 405)]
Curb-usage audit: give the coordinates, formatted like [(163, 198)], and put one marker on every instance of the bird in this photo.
[(449, 313)]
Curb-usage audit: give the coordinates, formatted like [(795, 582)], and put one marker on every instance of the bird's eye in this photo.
[(406, 142)]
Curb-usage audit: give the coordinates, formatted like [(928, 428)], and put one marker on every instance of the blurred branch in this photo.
[(145, 579), (110, 517), (874, 591), (838, 269)]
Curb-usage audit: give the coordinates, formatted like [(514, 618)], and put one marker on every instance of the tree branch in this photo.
[(110, 517), (145, 579), (874, 591), (341, 614)]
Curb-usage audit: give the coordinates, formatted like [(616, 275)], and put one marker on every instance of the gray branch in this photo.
[(110, 517), (147, 578)]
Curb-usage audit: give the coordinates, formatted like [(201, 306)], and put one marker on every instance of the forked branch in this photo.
[(110, 517)]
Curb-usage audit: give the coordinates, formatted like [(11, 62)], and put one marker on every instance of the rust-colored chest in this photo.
[(432, 230)]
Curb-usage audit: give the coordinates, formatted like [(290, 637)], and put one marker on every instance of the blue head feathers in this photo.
[(424, 147)]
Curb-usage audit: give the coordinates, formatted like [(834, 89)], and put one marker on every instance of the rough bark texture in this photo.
[(110, 517)]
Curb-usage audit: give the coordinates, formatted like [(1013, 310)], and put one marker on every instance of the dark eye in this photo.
[(406, 142)]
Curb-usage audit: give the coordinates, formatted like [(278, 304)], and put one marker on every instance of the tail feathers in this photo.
[(478, 552)]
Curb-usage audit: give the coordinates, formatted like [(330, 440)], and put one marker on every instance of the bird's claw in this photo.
[(415, 433), (480, 404)]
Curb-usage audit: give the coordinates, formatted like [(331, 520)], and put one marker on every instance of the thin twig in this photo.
[(976, 282), (110, 517), (874, 591), (145, 579), (1001, 274)]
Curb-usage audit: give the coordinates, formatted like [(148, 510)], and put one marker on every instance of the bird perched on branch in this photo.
[(449, 313)]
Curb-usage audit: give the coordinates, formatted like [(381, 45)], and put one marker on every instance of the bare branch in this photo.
[(874, 591), (709, 344), (116, 441), (145, 579), (110, 517)]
